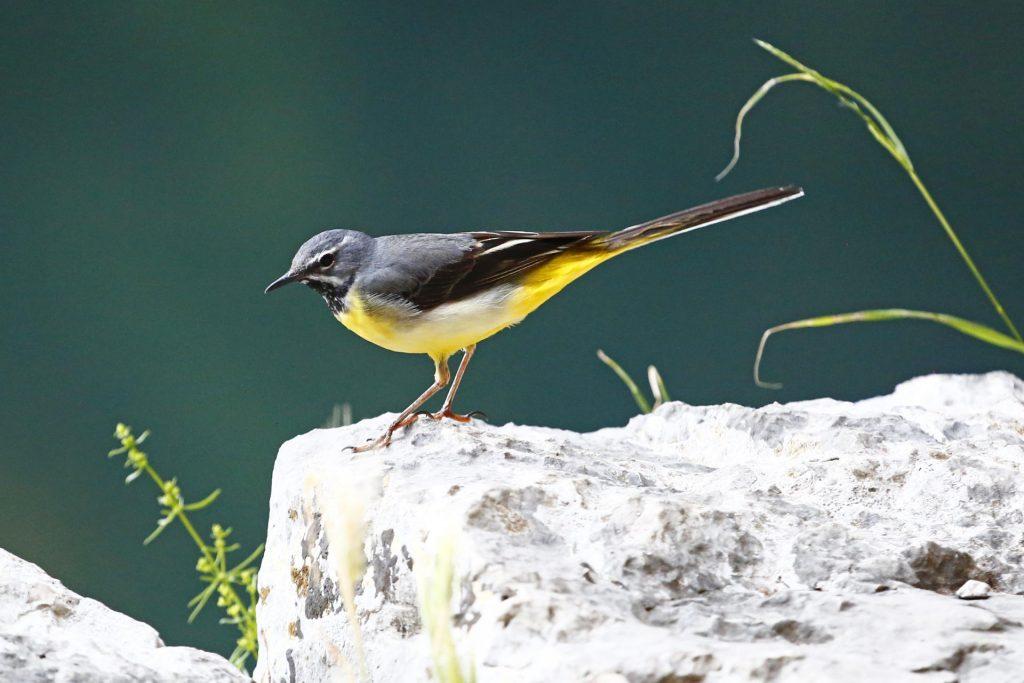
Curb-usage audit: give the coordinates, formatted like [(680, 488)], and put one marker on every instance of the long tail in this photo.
[(698, 217)]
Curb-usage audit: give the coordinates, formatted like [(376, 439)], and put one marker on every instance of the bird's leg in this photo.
[(446, 408), (409, 415)]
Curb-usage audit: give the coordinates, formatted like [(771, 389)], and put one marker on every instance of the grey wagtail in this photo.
[(439, 294)]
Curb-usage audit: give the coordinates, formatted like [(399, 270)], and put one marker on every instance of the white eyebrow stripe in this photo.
[(334, 249), (327, 279)]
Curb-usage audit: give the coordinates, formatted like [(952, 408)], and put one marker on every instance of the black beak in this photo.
[(281, 281)]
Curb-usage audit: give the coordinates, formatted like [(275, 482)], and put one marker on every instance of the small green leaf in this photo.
[(160, 526), (249, 560), (199, 505)]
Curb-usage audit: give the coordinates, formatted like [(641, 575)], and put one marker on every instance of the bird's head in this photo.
[(327, 262)]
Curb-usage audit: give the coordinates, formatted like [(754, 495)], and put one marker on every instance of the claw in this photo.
[(477, 413), (384, 440), (404, 423), (451, 415)]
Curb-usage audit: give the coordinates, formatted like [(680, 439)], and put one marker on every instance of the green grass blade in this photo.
[(640, 399), (876, 122), (967, 327), (885, 135), (745, 109)]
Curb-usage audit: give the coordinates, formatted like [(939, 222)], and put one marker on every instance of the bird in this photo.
[(442, 293)]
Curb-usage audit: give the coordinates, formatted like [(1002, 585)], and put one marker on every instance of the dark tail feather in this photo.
[(699, 216)]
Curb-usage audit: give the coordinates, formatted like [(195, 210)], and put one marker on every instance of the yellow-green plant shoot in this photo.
[(659, 392), (221, 580), (435, 578)]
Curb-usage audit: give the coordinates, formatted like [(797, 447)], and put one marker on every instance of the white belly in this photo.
[(440, 331)]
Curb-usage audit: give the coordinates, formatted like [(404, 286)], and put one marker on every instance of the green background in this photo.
[(162, 161)]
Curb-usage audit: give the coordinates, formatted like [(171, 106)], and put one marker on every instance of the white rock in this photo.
[(973, 590), (804, 542), (49, 633)]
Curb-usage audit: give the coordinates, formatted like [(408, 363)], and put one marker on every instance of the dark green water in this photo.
[(161, 161)]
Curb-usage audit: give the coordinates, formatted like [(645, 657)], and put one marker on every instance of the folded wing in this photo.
[(481, 261)]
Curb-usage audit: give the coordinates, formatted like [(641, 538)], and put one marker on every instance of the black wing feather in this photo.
[(494, 258)]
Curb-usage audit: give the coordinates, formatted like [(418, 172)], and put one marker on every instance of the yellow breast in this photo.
[(439, 332), (372, 323)]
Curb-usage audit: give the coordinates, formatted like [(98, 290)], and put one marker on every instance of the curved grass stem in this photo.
[(967, 327), (885, 135), (638, 396), (745, 109)]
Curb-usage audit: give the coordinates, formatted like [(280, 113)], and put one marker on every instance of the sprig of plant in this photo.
[(659, 392), (435, 578), (886, 136), (212, 566)]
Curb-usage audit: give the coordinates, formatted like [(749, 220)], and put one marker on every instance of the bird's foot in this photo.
[(384, 440), (452, 415)]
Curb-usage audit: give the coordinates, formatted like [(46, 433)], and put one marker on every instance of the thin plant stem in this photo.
[(967, 327), (745, 109), (963, 254), (641, 400), (885, 135)]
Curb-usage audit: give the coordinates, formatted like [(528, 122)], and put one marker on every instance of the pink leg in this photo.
[(446, 408), (409, 415)]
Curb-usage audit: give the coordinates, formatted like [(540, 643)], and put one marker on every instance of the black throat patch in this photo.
[(334, 295)]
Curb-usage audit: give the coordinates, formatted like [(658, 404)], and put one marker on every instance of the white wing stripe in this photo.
[(505, 245)]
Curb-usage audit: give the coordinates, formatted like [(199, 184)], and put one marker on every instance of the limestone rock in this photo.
[(48, 633), (973, 590), (812, 541)]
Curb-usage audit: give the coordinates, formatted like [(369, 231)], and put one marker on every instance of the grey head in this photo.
[(328, 263)]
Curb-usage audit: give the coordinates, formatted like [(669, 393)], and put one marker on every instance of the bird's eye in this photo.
[(326, 260)]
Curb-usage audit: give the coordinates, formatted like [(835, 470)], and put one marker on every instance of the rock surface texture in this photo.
[(813, 541), (50, 634)]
